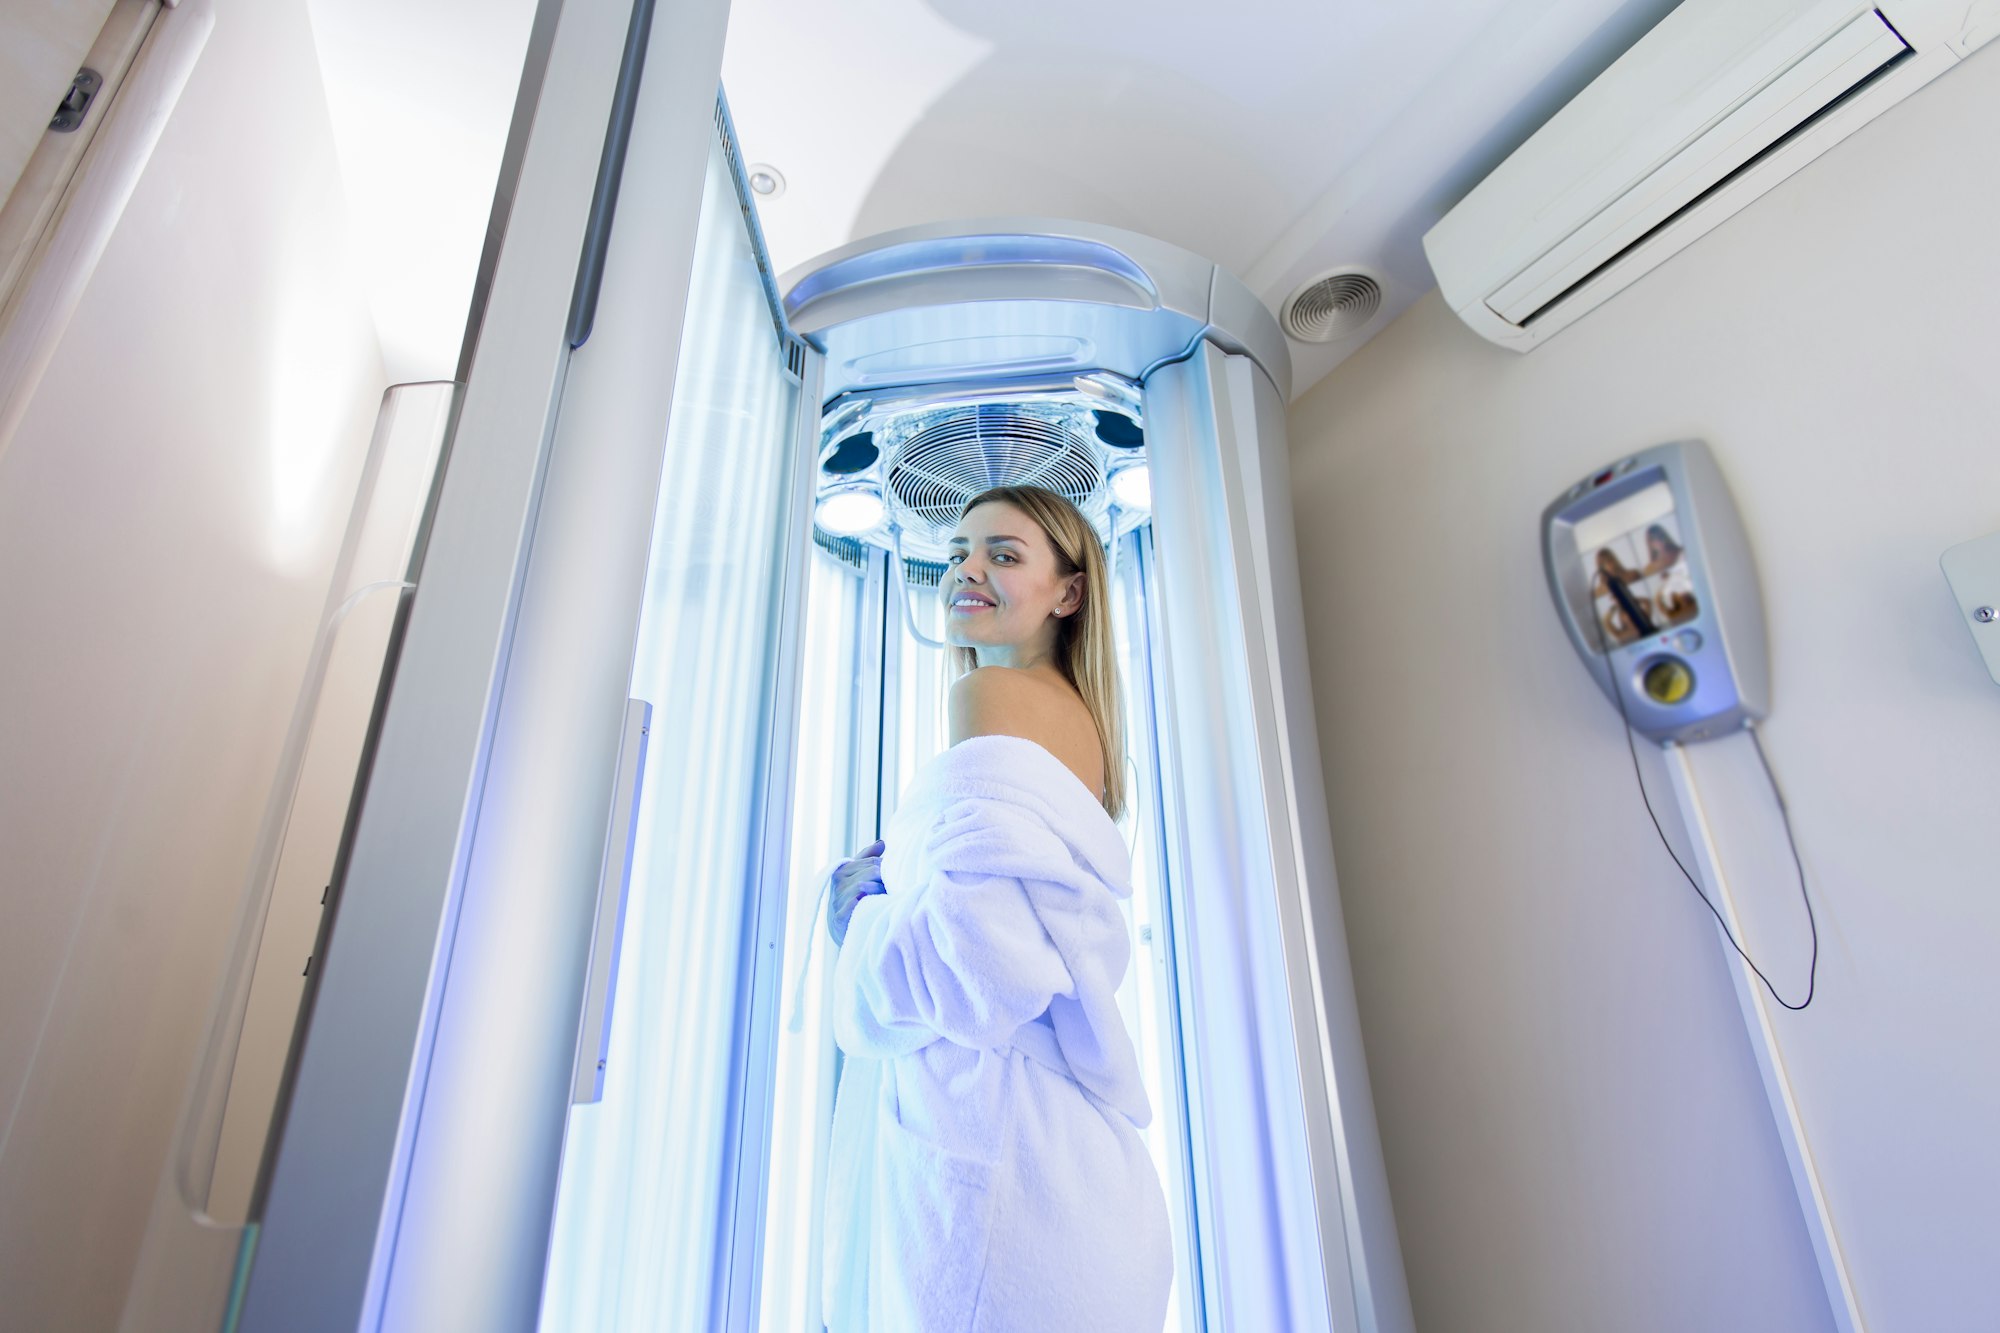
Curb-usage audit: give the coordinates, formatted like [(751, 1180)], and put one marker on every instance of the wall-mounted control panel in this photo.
[(1653, 580)]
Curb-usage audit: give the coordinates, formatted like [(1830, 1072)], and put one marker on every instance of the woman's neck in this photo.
[(1038, 658)]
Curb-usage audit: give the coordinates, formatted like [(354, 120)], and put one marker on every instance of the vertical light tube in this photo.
[(637, 1234), (1339, 1108), (1260, 1238), (1150, 999), (824, 826), (1281, 1145)]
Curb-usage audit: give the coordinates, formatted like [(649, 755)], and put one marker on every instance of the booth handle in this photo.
[(614, 884)]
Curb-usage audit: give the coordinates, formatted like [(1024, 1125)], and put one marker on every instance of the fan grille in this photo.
[(954, 454), (1332, 306)]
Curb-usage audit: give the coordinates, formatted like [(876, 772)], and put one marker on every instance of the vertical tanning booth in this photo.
[(671, 647)]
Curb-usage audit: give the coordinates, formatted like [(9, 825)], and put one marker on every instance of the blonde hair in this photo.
[(1086, 649)]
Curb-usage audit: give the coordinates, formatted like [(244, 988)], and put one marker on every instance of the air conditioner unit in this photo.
[(1718, 103)]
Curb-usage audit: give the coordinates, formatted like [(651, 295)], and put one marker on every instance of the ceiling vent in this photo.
[(1332, 306)]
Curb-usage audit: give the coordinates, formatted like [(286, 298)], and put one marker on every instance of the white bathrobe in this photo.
[(986, 1171)]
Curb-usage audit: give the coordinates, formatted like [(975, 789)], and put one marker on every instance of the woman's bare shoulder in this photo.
[(990, 701), (1004, 701)]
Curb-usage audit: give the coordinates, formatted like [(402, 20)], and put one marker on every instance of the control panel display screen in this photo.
[(1639, 580)]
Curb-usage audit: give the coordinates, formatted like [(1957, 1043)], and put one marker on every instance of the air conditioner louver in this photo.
[(1720, 101)]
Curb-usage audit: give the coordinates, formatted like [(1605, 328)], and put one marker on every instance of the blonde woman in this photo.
[(986, 1170)]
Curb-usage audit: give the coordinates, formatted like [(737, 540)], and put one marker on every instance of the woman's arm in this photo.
[(966, 955)]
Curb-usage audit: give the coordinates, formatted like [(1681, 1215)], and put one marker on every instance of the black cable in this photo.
[(1631, 748), (1785, 813)]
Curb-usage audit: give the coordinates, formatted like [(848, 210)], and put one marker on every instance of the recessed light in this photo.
[(1133, 485), (850, 513), (766, 179)]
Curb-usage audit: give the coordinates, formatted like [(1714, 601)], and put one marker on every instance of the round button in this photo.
[(1668, 681), (1688, 640)]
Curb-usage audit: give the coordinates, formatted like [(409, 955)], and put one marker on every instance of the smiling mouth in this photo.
[(971, 605)]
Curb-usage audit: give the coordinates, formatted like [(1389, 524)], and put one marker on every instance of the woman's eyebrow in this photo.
[(1001, 537)]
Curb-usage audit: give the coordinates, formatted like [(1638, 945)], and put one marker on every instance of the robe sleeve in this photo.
[(966, 954)]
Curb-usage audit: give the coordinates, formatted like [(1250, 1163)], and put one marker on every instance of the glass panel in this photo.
[(636, 1238)]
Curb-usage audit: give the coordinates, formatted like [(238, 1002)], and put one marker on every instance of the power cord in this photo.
[(1784, 811)]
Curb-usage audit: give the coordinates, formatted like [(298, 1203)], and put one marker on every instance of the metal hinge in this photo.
[(76, 102)]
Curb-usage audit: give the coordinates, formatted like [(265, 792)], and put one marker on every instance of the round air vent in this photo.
[(1118, 430), (1333, 305), (856, 453), (955, 453)]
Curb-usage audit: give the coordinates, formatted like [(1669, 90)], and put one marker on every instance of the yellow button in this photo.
[(1668, 681)]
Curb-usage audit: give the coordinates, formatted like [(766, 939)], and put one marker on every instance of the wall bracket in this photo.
[(1973, 571)]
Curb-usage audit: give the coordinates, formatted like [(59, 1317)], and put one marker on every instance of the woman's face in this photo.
[(1004, 584), (1656, 546)]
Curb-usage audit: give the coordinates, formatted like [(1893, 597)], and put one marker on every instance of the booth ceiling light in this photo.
[(1133, 486), (850, 513)]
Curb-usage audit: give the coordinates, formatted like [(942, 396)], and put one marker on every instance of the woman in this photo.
[(1629, 616), (986, 1170), (1674, 595)]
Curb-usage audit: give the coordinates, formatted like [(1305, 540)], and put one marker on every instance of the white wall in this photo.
[(420, 97), (168, 512), (1576, 1134)]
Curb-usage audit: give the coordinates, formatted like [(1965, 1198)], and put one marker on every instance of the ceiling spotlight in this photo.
[(1133, 486), (849, 513), (766, 179)]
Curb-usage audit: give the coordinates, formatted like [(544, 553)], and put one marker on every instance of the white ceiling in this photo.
[(1279, 138)]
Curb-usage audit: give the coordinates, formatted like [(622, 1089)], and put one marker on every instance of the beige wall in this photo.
[(168, 514), (45, 42), (1576, 1134)]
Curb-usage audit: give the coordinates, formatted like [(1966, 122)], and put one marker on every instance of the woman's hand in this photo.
[(854, 880)]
